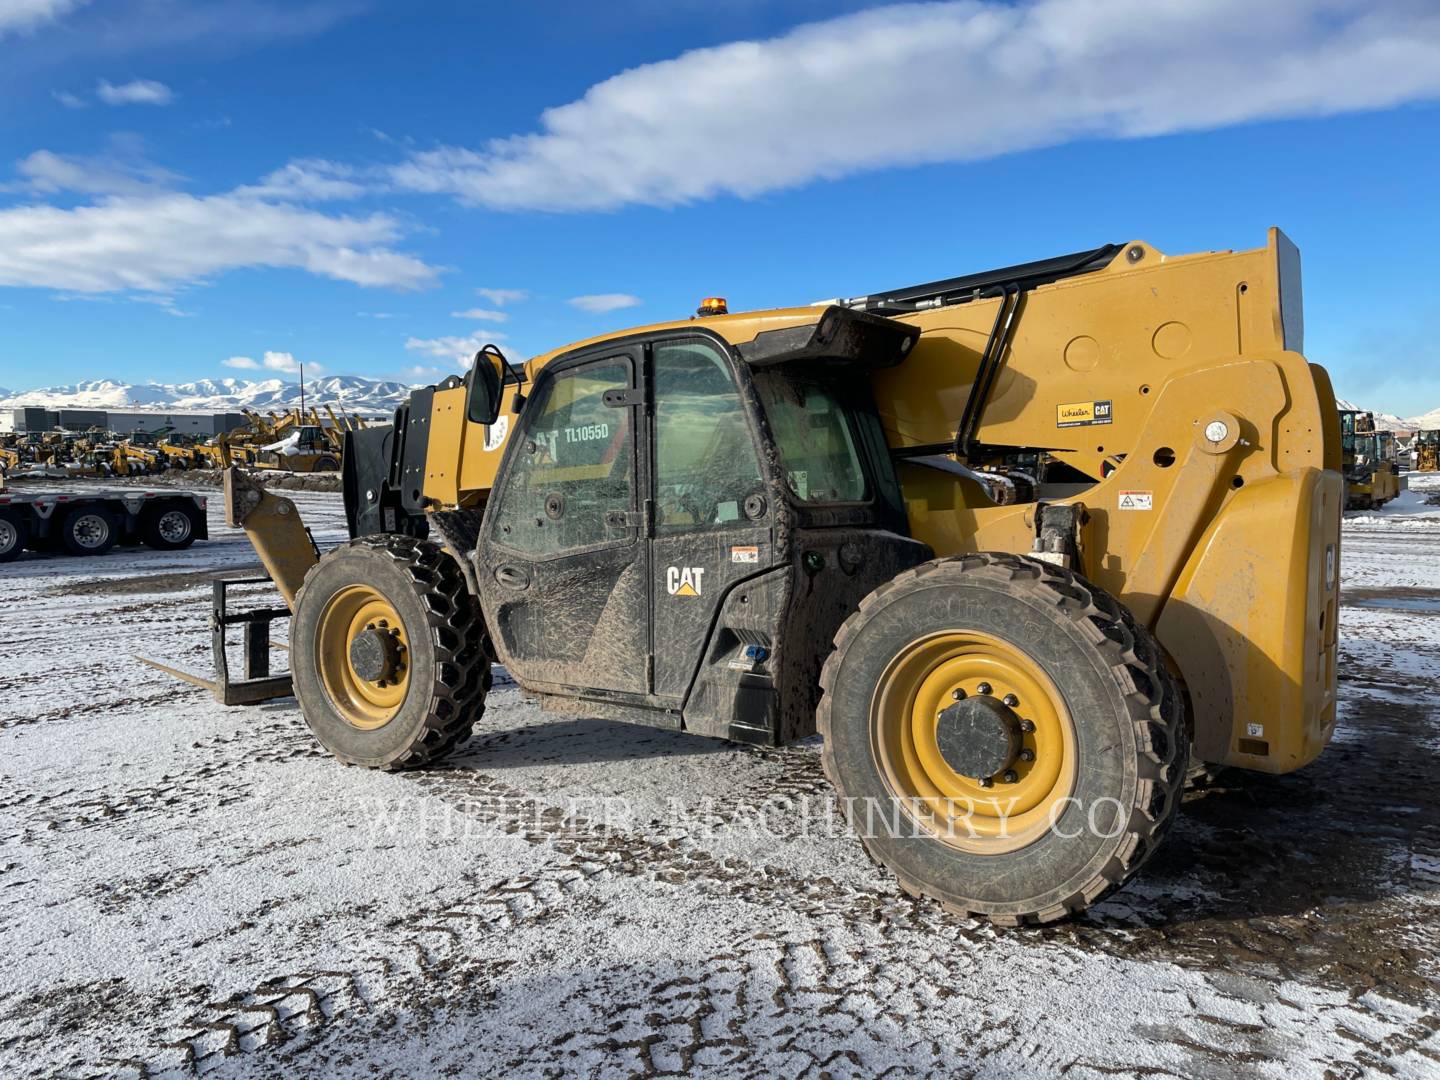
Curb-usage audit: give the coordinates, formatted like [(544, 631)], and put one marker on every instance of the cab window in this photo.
[(573, 465), (705, 459), (815, 437)]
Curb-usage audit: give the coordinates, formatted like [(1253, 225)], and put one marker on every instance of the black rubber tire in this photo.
[(13, 536), (325, 464), (1131, 740), (450, 664), (80, 518), (150, 521)]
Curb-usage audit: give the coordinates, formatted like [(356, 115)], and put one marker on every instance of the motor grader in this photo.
[(763, 525)]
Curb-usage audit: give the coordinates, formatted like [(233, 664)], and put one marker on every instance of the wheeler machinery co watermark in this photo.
[(793, 817)]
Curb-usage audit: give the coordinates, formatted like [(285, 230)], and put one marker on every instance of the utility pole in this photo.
[(302, 391)]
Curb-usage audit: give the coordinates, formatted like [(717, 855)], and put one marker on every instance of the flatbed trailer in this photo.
[(92, 521)]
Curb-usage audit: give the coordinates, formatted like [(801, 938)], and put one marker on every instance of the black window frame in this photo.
[(544, 381), (740, 374)]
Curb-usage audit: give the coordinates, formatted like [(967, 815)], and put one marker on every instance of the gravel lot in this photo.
[(190, 889)]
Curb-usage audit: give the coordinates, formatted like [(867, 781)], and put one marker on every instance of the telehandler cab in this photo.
[(758, 526)]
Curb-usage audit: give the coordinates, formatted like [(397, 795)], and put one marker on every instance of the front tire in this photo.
[(1003, 736), (388, 653)]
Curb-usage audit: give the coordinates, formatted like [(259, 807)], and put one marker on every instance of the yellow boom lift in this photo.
[(762, 525)]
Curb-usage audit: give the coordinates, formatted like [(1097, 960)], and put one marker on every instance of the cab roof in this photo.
[(737, 329)]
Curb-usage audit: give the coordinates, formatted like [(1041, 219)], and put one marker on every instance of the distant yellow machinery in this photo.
[(1425, 451), (294, 441), (1368, 460), (761, 525)]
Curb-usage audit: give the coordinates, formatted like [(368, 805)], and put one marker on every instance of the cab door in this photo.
[(562, 562), (712, 521)]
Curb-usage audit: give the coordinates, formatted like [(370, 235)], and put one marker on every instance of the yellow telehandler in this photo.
[(758, 526)]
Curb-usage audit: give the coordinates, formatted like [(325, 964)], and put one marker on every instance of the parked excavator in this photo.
[(761, 525)]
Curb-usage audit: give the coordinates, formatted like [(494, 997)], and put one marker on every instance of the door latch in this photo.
[(625, 519), (619, 399), (512, 577)]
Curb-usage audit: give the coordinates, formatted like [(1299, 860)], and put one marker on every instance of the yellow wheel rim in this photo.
[(361, 702), (920, 683)]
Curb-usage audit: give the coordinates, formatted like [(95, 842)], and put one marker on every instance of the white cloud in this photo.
[(922, 83), (23, 16), (136, 92), (69, 100), (286, 364), (501, 297), (602, 302), (160, 242), (460, 349), (283, 362), (482, 314), (309, 180), (44, 172)]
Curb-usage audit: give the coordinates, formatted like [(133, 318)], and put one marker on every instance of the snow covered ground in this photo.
[(190, 889)]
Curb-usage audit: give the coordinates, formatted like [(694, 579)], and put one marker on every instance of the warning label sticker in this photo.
[(1137, 500), (1082, 414), (745, 554)]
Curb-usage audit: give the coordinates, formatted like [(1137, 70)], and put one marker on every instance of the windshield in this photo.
[(815, 438)]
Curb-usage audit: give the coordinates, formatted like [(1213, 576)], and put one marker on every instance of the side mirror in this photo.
[(487, 377)]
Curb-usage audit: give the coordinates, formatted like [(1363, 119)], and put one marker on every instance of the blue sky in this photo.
[(188, 186)]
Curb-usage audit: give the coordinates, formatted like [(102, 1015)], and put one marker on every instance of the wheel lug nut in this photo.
[(986, 781), (1011, 776), (1027, 725), (958, 694), (1011, 700), (1027, 754), (983, 688)]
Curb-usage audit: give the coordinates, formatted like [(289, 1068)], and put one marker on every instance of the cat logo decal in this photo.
[(684, 580)]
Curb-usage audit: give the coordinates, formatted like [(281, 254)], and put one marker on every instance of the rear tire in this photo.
[(170, 527), (14, 535), (436, 677), (89, 530), (1084, 668)]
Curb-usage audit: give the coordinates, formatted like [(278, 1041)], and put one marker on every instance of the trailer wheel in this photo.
[(388, 653), (1003, 736), (14, 535), (89, 530), (170, 527)]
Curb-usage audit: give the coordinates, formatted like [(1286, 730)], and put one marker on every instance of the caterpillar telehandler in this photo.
[(759, 526)]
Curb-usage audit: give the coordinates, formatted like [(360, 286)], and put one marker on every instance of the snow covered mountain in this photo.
[(356, 394), (1385, 421)]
